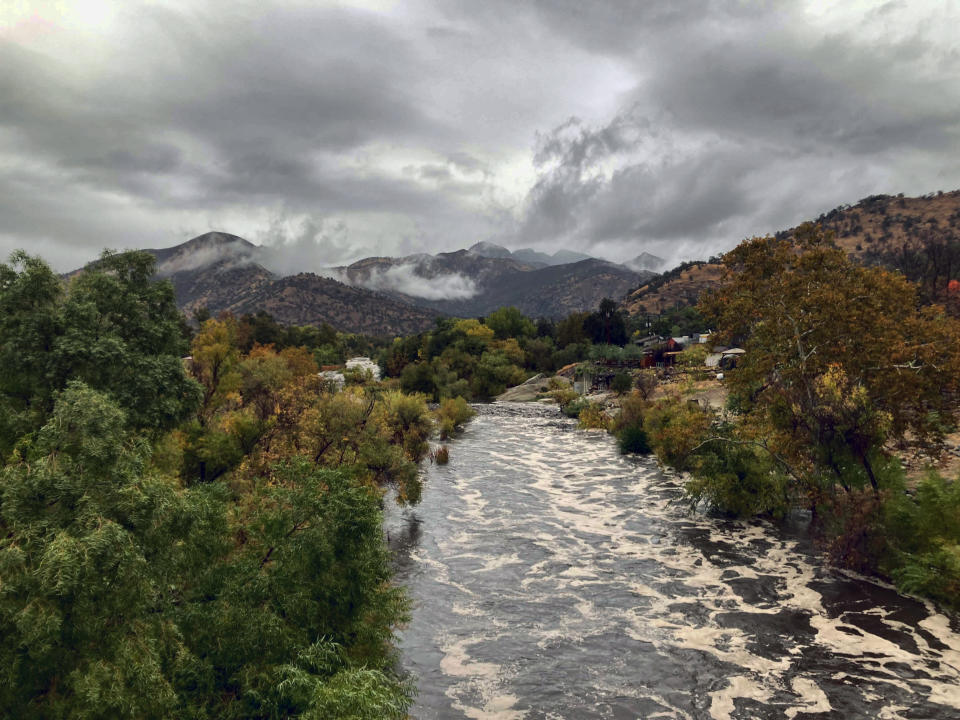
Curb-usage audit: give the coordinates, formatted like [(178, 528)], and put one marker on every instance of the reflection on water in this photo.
[(552, 578)]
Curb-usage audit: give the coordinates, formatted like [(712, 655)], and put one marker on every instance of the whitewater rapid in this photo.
[(553, 578)]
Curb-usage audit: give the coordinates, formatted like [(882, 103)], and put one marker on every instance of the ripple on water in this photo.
[(552, 578)]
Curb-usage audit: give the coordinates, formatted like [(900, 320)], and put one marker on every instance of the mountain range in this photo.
[(390, 295), (403, 295), (476, 281)]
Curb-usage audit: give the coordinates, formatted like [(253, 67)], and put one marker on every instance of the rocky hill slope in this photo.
[(918, 236)]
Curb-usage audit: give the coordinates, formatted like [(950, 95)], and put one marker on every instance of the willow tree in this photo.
[(112, 327), (842, 362)]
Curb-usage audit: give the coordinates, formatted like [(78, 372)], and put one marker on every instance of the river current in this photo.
[(553, 578)]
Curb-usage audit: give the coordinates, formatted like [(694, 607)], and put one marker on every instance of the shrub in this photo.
[(592, 417), (736, 479), (646, 382), (694, 356), (452, 414), (633, 440), (621, 383), (923, 535), (572, 409), (632, 409), (564, 396), (675, 428), (853, 530), (407, 422)]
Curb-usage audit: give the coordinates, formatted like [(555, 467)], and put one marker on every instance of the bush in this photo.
[(564, 396), (621, 383), (572, 409), (632, 410), (646, 383), (407, 423), (452, 414), (694, 356), (738, 480), (592, 417), (633, 440), (675, 429), (923, 536)]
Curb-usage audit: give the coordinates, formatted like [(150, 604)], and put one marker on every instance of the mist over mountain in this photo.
[(486, 277), (221, 272), (647, 261)]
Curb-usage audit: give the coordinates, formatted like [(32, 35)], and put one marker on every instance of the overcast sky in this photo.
[(355, 128)]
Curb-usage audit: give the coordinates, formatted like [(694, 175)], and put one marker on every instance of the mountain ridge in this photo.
[(873, 230)]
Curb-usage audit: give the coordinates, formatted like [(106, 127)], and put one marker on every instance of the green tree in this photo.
[(508, 322), (30, 297), (570, 330), (111, 327), (606, 325), (121, 334), (621, 383), (90, 551), (304, 602), (420, 378)]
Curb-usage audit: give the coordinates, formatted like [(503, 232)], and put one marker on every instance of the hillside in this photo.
[(554, 291), (882, 224), (679, 287), (918, 236), (308, 299)]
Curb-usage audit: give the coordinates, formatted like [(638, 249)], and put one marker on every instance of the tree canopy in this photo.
[(840, 361), (110, 327), (190, 539)]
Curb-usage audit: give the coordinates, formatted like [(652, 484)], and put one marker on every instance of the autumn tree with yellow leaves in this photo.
[(842, 364)]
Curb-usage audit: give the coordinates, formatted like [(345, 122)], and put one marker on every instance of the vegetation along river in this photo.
[(553, 578)]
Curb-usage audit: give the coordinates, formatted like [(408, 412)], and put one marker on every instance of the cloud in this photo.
[(206, 256), (743, 123), (613, 126), (406, 279)]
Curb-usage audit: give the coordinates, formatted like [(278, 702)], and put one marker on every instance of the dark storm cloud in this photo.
[(332, 131), (741, 123)]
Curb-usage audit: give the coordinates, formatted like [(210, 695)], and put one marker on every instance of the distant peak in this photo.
[(490, 250), (211, 248), (215, 238), (646, 261)]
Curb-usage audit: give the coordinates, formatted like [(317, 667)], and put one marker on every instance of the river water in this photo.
[(553, 578)]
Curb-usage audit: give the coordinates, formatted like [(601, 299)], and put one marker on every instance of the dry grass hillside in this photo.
[(885, 223), (875, 230), (679, 287)]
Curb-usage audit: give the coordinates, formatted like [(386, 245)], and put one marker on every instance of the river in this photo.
[(553, 578)]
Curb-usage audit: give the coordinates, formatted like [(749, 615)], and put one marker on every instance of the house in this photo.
[(648, 341), (661, 355)]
